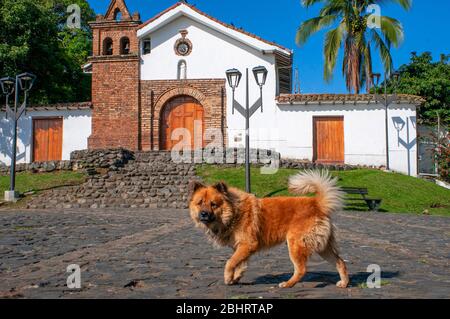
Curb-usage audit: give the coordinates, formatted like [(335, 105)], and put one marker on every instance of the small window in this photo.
[(124, 45), (108, 46), (146, 46), (117, 15), (182, 70)]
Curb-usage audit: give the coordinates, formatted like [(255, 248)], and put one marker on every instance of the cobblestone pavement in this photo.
[(159, 254)]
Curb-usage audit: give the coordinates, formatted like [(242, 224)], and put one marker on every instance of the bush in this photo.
[(442, 153)]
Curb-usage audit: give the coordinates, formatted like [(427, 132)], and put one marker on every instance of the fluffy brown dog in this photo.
[(247, 224)]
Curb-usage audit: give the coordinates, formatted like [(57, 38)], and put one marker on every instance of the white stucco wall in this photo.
[(76, 130), (213, 53), (291, 132), (403, 140)]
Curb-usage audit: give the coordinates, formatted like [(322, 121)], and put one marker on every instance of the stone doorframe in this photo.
[(169, 95)]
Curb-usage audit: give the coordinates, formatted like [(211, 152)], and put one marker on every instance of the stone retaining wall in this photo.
[(110, 159), (39, 167), (154, 179), (79, 160), (145, 180)]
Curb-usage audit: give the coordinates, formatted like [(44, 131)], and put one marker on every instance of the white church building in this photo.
[(150, 78)]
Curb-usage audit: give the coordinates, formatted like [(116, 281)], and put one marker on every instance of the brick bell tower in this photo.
[(115, 79)]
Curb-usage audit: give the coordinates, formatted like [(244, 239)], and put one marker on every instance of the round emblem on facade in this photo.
[(183, 46)]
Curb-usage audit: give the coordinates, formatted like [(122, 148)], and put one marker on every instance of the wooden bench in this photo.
[(373, 203)]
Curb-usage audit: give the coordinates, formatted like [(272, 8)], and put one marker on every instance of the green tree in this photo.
[(349, 19), (34, 37), (76, 45), (430, 80)]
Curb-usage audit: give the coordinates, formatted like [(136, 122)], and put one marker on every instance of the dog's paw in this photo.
[(228, 279), (342, 284), (230, 282), (286, 284), (236, 279), (237, 276)]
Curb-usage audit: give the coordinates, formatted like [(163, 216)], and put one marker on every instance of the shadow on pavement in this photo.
[(326, 277)]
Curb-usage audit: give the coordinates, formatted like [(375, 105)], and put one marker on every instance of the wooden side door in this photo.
[(181, 112), (47, 139), (329, 139)]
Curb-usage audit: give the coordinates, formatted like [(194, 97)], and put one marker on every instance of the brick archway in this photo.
[(170, 95), (187, 91)]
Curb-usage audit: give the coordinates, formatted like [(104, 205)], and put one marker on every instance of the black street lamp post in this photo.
[(386, 101), (234, 77), (9, 86)]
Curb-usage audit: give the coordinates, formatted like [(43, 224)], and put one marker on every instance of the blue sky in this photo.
[(426, 25)]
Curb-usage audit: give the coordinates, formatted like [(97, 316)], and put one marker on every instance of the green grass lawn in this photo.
[(400, 193), (29, 182)]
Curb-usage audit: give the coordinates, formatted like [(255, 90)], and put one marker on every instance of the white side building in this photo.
[(46, 133)]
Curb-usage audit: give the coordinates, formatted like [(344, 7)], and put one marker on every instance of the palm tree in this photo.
[(351, 31)]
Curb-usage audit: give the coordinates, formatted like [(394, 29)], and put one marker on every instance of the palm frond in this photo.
[(311, 26), (308, 3), (392, 30), (405, 4), (335, 7), (385, 54), (333, 41)]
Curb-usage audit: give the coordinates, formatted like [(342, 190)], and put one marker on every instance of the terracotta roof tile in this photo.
[(341, 98), (59, 106)]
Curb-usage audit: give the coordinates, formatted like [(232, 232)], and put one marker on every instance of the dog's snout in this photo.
[(204, 215)]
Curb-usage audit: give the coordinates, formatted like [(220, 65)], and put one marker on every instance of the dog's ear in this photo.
[(195, 186), (221, 187)]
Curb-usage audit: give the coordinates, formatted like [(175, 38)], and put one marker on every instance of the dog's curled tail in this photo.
[(328, 193)]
